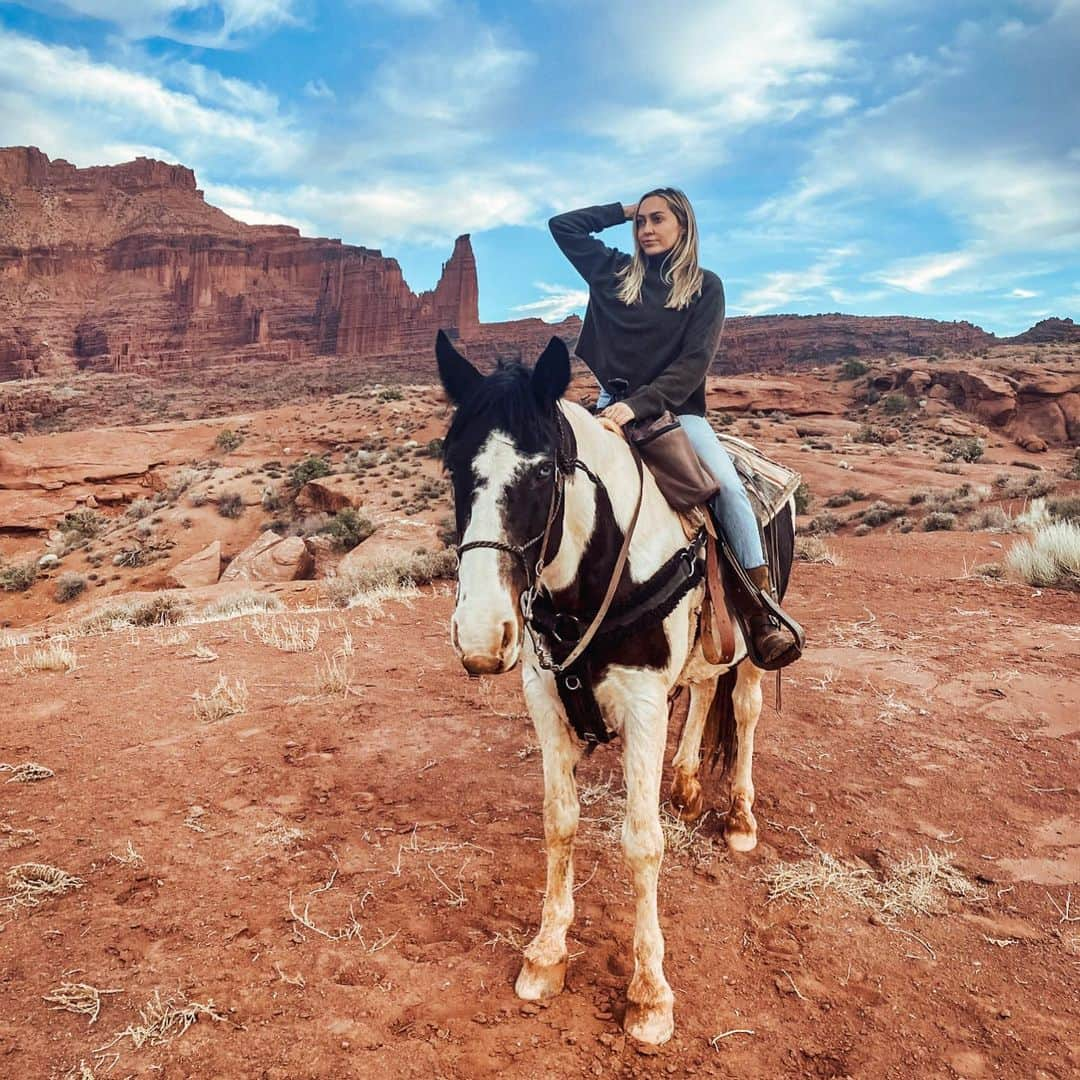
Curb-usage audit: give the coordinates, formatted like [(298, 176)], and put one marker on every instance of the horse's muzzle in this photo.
[(497, 654)]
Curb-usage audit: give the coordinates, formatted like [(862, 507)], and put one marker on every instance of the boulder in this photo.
[(953, 425), (330, 494), (1032, 443), (396, 538), (271, 558), (202, 568), (937, 392)]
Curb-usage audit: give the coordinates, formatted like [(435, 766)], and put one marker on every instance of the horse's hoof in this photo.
[(740, 830), (688, 799), (651, 1026), (535, 983)]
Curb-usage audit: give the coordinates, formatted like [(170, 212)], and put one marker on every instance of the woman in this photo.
[(651, 329)]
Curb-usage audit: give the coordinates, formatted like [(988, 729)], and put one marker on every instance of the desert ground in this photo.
[(267, 827)]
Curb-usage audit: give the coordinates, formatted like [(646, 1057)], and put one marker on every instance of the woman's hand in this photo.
[(620, 413), (630, 210)]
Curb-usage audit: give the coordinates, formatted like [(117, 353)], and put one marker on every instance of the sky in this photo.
[(913, 157)]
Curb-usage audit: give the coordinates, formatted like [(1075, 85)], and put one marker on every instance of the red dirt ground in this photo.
[(933, 710)]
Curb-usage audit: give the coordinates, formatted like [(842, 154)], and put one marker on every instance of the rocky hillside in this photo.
[(127, 269)]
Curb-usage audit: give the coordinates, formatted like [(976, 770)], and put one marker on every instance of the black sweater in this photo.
[(663, 354)]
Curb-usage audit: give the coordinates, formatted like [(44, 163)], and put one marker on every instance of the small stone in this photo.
[(480, 1018), (876, 919), (529, 1009), (646, 1049), (606, 1038), (1004, 1014)]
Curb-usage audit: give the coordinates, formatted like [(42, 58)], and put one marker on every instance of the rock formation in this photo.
[(1035, 405), (126, 267)]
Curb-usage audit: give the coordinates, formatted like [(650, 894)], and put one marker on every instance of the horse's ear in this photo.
[(459, 377), (551, 376)]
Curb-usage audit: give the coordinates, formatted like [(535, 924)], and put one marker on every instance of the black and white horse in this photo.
[(525, 463)]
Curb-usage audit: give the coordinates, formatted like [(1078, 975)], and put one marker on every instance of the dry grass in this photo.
[(247, 602), (224, 699), (56, 656), (30, 884), (350, 930), (278, 834), (1050, 559), (128, 857), (29, 772), (77, 998), (12, 839), (813, 549), (288, 635), (918, 885), (161, 609), (394, 579), (162, 1021), (332, 676)]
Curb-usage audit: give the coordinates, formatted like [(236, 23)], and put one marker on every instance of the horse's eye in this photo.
[(544, 470)]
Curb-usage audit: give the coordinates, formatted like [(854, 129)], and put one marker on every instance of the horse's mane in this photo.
[(503, 400)]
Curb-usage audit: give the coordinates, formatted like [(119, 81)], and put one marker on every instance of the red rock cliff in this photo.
[(128, 267)]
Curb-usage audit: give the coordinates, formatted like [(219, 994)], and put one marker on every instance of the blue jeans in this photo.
[(731, 505)]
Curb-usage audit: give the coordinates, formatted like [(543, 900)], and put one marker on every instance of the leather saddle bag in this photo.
[(665, 448)]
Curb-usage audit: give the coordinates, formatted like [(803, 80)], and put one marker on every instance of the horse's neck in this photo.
[(657, 534)]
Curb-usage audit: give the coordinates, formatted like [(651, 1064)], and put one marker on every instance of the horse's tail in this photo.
[(719, 739)]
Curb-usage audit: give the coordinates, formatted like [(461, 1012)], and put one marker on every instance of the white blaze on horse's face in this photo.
[(487, 624)]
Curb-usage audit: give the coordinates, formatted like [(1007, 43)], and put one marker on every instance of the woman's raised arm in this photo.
[(573, 233)]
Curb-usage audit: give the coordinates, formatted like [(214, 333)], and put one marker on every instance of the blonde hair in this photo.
[(680, 268)]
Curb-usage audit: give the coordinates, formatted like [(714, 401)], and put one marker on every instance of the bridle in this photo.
[(563, 467)]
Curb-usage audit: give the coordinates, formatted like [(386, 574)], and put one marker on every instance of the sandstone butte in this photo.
[(127, 268)]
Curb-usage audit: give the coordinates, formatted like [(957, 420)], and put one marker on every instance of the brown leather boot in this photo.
[(770, 641)]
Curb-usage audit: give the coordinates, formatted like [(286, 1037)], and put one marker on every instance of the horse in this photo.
[(546, 498)]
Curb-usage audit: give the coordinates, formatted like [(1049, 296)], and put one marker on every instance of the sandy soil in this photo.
[(933, 711)]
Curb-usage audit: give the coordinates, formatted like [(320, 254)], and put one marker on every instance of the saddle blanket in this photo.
[(768, 483)]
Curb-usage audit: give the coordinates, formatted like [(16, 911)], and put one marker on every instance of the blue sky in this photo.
[(901, 157)]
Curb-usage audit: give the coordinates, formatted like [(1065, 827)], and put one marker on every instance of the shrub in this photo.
[(880, 512), (310, 468), (1051, 558), (802, 498), (139, 509), (824, 524), (969, 449), (68, 586), (870, 434), (416, 569), (894, 404), (230, 504), (862, 530), (939, 521), (349, 527), (852, 368), (271, 500), (1066, 508), (84, 523), (434, 448), (18, 577), (228, 440), (447, 530), (391, 393), (992, 519)]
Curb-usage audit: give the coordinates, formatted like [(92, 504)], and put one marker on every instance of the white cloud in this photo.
[(318, 89), (558, 302), (922, 274), (1023, 294), (837, 104), (62, 100), (784, 287), (409, 7), (225, 21)]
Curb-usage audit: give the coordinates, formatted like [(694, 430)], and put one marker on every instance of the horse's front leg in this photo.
[(740, 826), (686, 794), (650, 1002), (544, 969)]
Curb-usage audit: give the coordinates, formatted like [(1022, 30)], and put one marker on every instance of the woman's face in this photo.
[(658, 229)]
